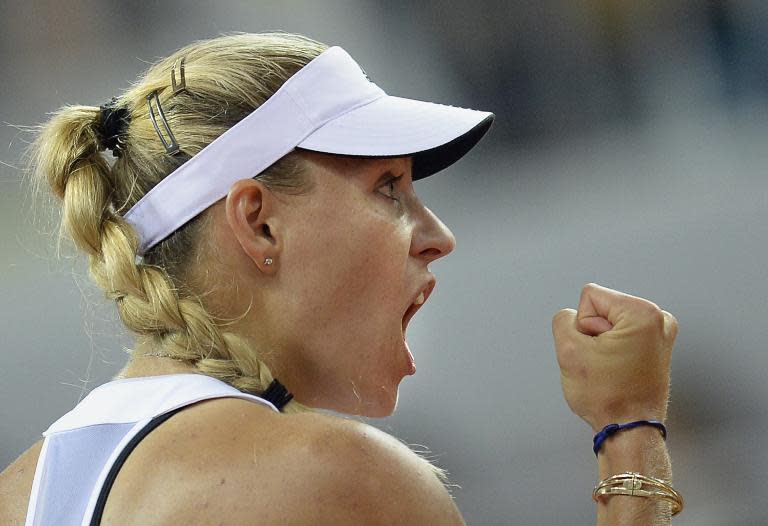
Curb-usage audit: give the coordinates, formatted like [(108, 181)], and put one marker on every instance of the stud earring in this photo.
[(268, 261)]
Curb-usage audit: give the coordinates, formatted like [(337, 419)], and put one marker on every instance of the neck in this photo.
[(142, 363)]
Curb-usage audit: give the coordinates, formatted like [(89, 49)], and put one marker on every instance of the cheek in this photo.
[(368, 277), (353, 257), (354, 285)]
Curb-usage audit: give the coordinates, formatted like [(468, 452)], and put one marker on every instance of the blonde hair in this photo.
[(227, 78)]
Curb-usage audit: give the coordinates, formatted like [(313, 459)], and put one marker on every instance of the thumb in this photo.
[(600, 308), (594, 325)]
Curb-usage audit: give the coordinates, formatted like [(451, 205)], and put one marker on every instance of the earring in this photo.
[(268, 261)]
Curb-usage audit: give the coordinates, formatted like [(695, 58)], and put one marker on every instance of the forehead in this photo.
[(359, 167)]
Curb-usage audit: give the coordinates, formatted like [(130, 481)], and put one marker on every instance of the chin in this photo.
[(382, 401), (369, 410), (357, 399), (381, 411), (375, 404)]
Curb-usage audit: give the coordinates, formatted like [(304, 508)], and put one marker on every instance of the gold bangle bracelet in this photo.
[(634, 485)]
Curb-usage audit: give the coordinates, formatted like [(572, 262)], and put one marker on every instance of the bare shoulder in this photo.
[(16, 486), (369, 476), (240, 463)]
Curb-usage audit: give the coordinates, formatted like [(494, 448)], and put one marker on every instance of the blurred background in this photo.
[(630, 149)]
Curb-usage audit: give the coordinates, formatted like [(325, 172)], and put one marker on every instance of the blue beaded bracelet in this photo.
[(611, 429)]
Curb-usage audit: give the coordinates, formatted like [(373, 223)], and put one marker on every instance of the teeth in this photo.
[(420, 299)]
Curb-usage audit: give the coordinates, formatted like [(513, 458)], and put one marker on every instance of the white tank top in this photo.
[(84, 449)]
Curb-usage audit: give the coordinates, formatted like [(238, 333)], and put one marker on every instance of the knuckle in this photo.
[(671, 323), (560, 315), (656, 317), (567, 354), (647, 305), (650, 311), (670, 318)]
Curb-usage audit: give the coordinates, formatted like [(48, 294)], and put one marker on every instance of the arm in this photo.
[(614, 354)]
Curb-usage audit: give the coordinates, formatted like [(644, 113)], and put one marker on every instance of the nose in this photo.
[(432, 239)]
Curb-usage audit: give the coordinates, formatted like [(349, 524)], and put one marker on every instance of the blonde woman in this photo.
[(258, 229)]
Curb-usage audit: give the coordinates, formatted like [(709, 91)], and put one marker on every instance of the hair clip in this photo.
[(182, 86), (113, 121), (171, 147), (277, 394)]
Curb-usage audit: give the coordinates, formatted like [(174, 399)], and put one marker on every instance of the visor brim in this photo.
[(435, 135)]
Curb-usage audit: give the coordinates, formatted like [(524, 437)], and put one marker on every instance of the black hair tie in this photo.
[(112, 124), (277, 394)]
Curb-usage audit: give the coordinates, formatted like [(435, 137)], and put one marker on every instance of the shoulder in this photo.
[(237, 461), (370, 477), (16, 486)]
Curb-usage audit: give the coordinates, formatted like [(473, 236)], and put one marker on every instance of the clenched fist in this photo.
[(614, 355)]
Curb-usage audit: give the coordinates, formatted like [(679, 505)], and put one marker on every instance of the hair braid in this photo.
[(232, 76)]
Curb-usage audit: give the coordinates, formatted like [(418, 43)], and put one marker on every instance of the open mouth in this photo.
[(416, 304), (409, 314), (414, 307)]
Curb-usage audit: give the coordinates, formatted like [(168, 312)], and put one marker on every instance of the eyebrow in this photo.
[(386, 175)]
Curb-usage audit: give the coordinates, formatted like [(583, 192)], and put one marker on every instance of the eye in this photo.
[(392, 182)]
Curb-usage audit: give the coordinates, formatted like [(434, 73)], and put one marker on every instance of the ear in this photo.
[(250, 209)]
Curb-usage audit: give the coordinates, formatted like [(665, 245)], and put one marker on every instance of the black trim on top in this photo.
[(112, 475), (431, 161)]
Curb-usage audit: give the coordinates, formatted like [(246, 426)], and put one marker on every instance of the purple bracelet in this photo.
[(611, 429)]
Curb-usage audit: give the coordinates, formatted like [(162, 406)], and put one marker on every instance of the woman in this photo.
[(259, 222)]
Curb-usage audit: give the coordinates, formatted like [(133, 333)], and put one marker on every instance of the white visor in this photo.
[(328, 106)]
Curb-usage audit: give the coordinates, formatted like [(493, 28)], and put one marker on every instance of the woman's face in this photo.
[(353, 256)]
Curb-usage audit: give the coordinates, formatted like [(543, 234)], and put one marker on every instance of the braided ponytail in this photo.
[(232, 76)]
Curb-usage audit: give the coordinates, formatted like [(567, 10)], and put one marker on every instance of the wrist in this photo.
[(637, 450), (627, 415), (640, 449), (613, 429)]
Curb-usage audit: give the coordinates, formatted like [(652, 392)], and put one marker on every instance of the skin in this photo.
[(337, 321), (614, 354), (348, 261), (349, 252)]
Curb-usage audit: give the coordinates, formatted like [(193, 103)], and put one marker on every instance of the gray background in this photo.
[(630, 149)]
